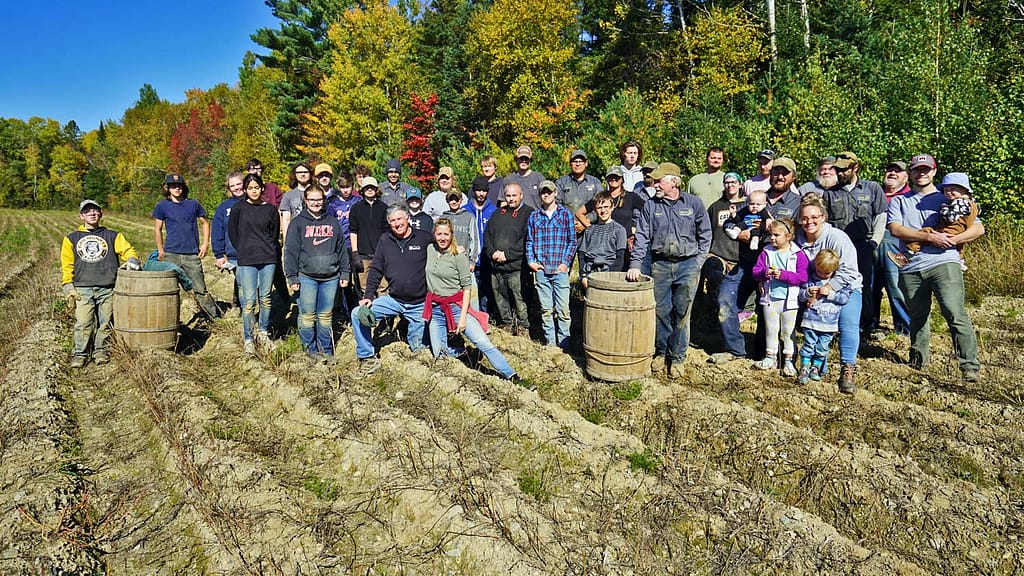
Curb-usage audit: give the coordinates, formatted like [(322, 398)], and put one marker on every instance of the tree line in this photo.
[(352, 82)]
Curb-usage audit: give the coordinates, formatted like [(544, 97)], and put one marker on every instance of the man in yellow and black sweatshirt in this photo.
[(89, 259)]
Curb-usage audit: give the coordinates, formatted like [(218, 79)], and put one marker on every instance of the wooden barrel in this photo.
[(146, 309), (619, 324)]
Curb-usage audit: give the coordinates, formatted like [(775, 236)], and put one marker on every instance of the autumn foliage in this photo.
[(418, 146)]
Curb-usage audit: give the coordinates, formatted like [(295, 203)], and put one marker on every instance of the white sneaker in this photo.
[(768, 363), (264, 341), (249, 347)]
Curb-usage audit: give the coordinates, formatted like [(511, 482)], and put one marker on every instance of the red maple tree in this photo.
[(418, 146)]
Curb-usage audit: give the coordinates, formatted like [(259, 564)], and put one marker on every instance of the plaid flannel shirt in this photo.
[(551, 241)]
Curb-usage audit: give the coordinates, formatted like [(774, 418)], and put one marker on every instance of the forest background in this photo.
[(449, 81)]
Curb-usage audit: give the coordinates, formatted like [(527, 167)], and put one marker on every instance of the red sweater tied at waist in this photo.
[(445, 302)]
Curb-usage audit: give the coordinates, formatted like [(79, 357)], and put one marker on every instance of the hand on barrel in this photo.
[(633, 274), (133, 264)]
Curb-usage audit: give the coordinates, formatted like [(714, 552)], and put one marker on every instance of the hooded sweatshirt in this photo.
[(316, 246)]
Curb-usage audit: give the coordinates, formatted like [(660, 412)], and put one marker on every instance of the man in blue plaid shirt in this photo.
[(550, 247)]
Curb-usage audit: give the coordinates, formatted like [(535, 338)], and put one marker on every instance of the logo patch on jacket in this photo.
[(91, 248)]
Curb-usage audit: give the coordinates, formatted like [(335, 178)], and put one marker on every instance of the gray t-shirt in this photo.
[(918, 211), (292, 202)]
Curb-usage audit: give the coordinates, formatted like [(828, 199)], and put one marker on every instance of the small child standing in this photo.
[(603, 247), (89, 258), (781, 269), (955, 216), (821, 317)]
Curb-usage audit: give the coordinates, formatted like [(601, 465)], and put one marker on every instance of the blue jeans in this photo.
[(816, 345), (887, 275), (316, 313), (736, 288), (553, 294), (675, 285), (474, 333), (946, 282), (92, 315), (387, 307), (849, 328), (254, 283)]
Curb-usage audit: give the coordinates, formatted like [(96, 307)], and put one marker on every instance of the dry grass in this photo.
[(994, 261)]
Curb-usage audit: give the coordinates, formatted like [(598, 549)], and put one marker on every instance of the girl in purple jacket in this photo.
[(781, 269)]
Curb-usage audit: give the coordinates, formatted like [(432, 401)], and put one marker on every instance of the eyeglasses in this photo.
[(314, 200), (731, 183), (522, 159), (578, 161), (302, 172), (256, 169), (546, 191), (841, 170), (325, 175)]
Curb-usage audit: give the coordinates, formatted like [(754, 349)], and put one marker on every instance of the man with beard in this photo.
[(887, 273), (737, 286), (825, 180), (858, 207)]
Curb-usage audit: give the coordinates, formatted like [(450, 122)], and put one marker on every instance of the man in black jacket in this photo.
[(505, 245), (401, 259)]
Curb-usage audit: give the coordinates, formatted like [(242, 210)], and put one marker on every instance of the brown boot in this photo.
[(846, 378)]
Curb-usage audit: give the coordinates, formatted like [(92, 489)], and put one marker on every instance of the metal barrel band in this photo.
[(615, 307), (145, 295)]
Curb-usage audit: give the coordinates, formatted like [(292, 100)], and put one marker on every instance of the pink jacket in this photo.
[(794, 274)]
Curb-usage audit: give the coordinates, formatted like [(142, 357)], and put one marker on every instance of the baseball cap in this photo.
[(321, 168), (577, 153), (769, 154), (175, 179), (923, 160), (524, 150), (366, 317), (446, 171), (665, 169), (547, 185), (615, 171), (957, 179), (846, 160), (87, 203), (370, 182), (480, 183), (649, 166), (412, 193), (783, 162), (899, 165), (453, 195)]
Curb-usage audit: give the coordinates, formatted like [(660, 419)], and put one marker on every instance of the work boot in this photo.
[(78, 361), (970, 375), (658, 365), (101, 358), (846, 378)]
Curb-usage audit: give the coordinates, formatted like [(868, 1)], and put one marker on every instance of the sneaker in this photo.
[(805, 374), (768, 363), (520, 381), (815, 373), (78, 361), (101, 358), (264, 341), (249, 347), (744, 316), (846, 378), (723, 357), (788, 369), (368, 366), (898, 258), (970, 375), (878, 334)]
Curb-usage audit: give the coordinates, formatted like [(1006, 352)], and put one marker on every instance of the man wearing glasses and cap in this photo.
[(577, 187), (527, 180)]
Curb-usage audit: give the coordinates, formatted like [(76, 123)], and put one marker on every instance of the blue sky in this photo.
[(85, 60)]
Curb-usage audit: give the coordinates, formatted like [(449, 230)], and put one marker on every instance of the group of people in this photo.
[(823, 252)]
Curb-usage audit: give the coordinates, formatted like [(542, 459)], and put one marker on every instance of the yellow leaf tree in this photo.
[(365, 94), (520, 56)]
